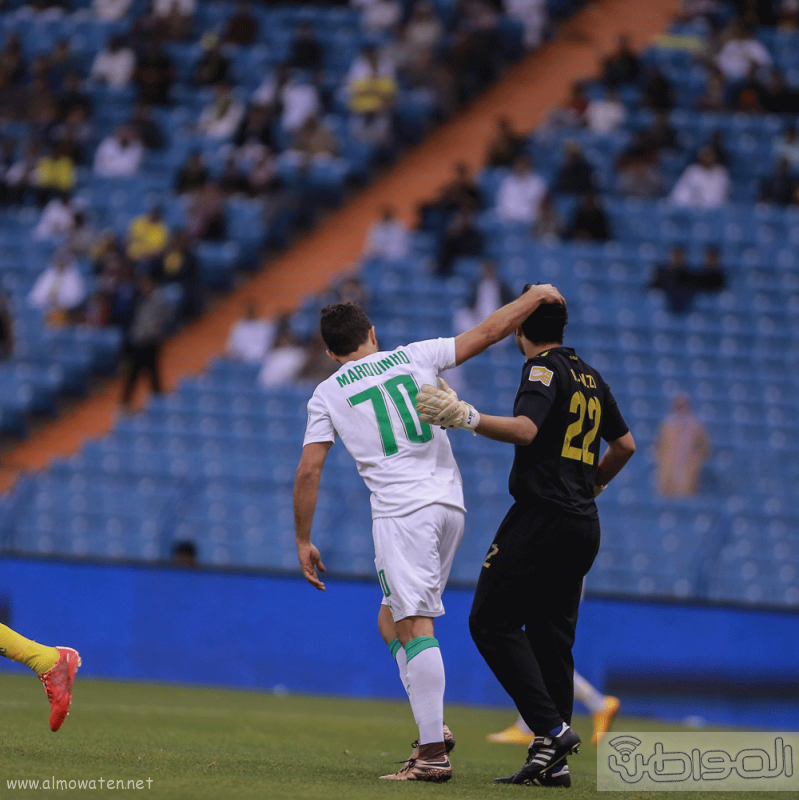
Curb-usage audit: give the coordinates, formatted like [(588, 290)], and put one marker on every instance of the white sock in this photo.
[(593, 700), (426, 683), (402, 663), (522, 726), (398, 651)]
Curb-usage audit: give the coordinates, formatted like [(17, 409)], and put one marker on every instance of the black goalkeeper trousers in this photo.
[(524, 614)]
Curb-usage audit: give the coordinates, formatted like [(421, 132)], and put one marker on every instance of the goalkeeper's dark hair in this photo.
[(344, 327), (546, 324)]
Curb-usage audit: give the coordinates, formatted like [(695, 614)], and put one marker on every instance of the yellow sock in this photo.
[(37, 656)]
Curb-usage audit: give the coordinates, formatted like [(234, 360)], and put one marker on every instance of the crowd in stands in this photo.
[(649, 197), (281, 126), (178, 142), (635, 113)]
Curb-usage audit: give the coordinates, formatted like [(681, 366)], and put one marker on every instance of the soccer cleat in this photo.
[(416, 770), (557, 777), (544, 753), (57, 684), (604, 719), (449, 742), (512, 735)]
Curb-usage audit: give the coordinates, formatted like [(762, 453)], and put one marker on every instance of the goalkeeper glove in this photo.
[(440, 406)]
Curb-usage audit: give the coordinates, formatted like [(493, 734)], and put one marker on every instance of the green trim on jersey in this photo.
[(417, 645), (395, 646), (381, 576)]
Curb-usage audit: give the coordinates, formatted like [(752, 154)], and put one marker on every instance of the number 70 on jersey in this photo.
[(417, 431)]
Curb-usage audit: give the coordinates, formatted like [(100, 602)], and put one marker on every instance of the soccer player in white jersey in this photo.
[(417, 494)]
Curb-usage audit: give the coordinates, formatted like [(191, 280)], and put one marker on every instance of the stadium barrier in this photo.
[(717, 664)]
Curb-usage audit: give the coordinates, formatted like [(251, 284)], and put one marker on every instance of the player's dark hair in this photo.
[(344, 327), (546, 323)]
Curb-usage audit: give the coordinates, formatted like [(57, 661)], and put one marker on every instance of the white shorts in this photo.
[(413, 557)]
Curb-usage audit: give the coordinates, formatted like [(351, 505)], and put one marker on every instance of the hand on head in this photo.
[(546, 293)]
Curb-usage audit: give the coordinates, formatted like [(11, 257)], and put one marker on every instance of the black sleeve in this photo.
[(613, 424), (537, 392)]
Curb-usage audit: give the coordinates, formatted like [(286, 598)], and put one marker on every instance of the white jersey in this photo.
[(370, 404)]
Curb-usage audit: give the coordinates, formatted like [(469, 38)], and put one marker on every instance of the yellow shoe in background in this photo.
[(604, 719), (512, 735)]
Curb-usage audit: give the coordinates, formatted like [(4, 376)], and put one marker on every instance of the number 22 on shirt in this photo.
[(579, 405)]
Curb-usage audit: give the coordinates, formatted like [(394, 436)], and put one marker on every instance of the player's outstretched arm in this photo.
[(306, 493), (441, 406), (519, 430), (495, 327)]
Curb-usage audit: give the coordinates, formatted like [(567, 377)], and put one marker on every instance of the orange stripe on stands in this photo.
[(525, 94)]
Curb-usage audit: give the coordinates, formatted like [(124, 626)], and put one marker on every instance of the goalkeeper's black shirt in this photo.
[(572, 408)]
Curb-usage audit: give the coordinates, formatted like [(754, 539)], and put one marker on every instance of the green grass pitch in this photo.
[(199, 743)]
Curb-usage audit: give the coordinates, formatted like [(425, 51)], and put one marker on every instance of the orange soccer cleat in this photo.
[(604, 719), (57, 684), (512, 735)]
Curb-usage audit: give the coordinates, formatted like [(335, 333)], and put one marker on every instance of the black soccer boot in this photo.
[(544, 753)]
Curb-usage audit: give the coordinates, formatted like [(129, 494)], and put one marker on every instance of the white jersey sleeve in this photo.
[(439, 353), (320, 425)]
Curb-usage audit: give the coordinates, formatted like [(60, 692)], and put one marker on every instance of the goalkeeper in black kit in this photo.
[(524, 614)]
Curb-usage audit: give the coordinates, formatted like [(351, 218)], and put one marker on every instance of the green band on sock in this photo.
[(415, 646), (394, 645)]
